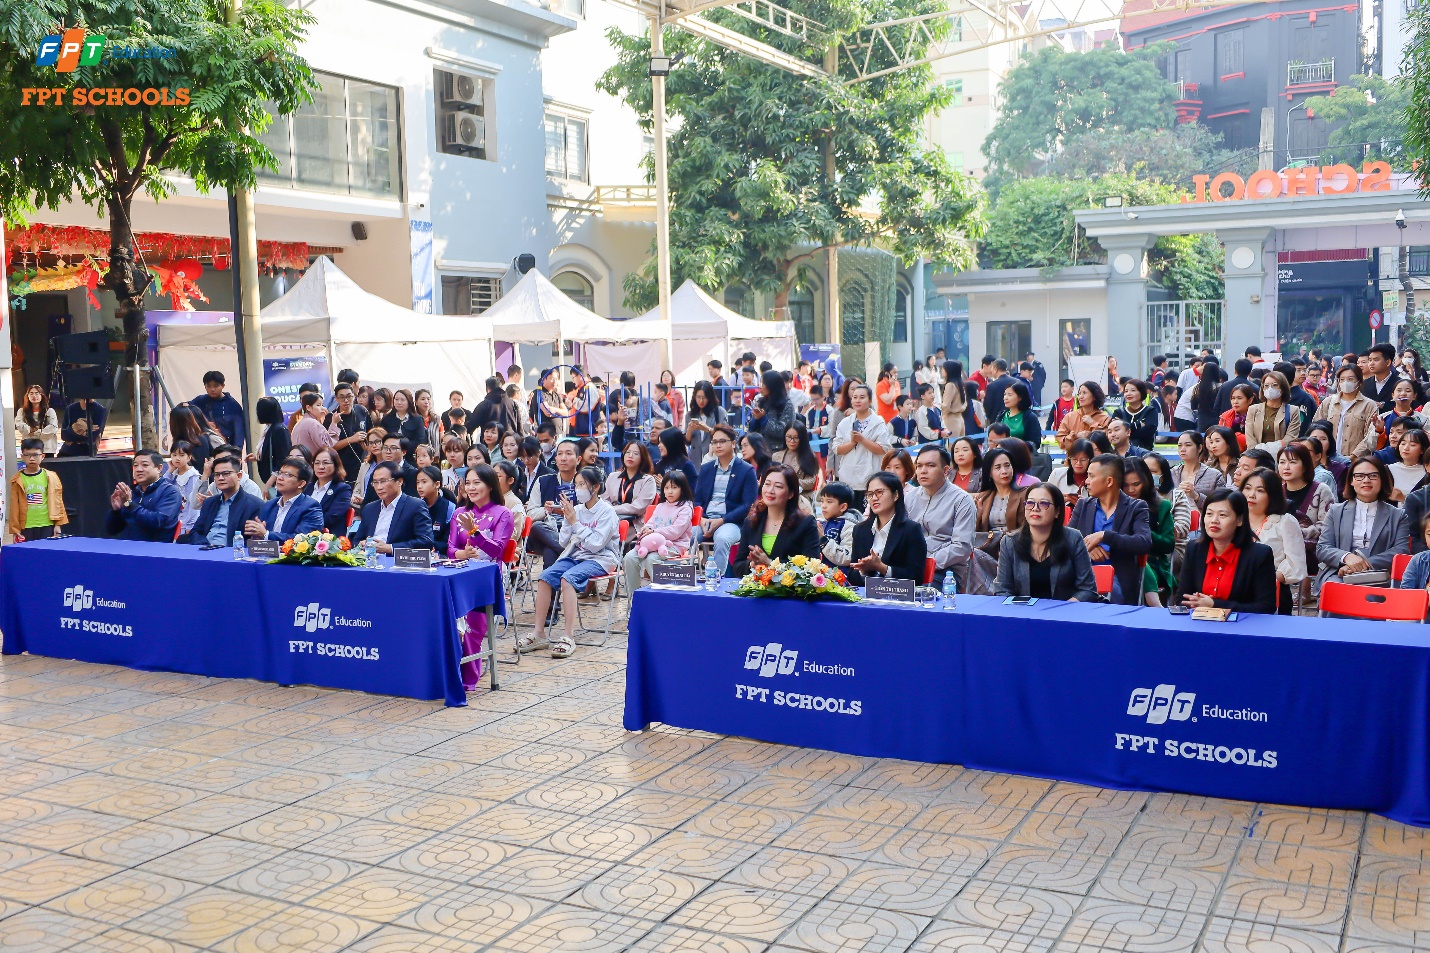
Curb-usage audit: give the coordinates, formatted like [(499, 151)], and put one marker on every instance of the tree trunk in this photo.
[(128, 281)]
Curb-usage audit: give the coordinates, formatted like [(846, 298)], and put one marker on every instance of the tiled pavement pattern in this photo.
[(153, 812)]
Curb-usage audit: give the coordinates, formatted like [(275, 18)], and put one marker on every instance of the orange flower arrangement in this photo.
[(799, 578)]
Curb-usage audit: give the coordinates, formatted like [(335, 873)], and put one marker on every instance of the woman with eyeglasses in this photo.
[(1045, 559), (888, 543), (1362, 536), (375, 436)]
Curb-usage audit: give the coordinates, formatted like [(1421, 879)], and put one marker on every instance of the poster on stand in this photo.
[(823, 357), (282, 376)]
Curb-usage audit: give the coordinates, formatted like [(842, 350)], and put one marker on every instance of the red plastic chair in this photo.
[(928, 571), (1373, 602), (1398, 565), (1102, 572), (1196, 520)]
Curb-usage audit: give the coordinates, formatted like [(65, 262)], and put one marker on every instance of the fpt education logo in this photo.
[(70, 49)]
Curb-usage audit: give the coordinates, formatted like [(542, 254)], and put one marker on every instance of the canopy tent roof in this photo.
[(538, 312), (326, 305), (694, 315)]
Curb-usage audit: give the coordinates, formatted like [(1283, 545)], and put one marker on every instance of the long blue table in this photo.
[(1316, 712), (166, 607)]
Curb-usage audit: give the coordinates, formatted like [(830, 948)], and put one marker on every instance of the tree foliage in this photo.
[(1170, 155), (750, 200), (1054, 97), (104, 155), (1369, 117), (1032, 226)]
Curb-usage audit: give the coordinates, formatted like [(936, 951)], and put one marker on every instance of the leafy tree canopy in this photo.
[(1416, 75), (1032, 226), (1170, 155), (1053, 97), (750, 200), (1369, 115)]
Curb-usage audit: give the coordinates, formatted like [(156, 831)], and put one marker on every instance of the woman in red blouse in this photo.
[(1226, 567)]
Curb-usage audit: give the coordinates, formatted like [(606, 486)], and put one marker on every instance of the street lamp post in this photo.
[(659, 70)]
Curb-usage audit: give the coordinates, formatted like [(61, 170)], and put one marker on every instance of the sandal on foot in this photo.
[(562, 648), (531, 644)]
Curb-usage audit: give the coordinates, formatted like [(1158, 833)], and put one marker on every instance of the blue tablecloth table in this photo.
[(176, 608), (1316, 712)]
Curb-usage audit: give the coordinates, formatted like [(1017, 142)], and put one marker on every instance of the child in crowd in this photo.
[(816, 418), (929, 417), (834, 502), (455, 452), (187, 479), (424, 456), (37, 503), (1390, 453), (906, 432), (668, 530), (1417, 573)]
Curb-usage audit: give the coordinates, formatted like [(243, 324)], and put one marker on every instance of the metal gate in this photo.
[(1180, 329)]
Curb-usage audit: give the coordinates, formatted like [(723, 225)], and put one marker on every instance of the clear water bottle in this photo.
[(369, 553), (950, 590), (712, 574), (240, 551)]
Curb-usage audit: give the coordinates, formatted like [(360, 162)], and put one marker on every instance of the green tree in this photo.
[(750, 200), (104, 156), (1032, 226), (1368, 114), (1170, 155), (1415, 74), (1053, 97)]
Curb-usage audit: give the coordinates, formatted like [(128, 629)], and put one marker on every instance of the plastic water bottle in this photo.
[(240, 551), (369, 553), (950, 590), (712, 574)]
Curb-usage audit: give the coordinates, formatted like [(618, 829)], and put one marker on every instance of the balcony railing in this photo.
[(1186, 90), (1302, 74)]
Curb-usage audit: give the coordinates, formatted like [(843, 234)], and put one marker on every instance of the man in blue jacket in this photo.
[(1115, 527), (227, 511), (150, 510), (225, 412), (292, 511), (394, 519), (725, 491)]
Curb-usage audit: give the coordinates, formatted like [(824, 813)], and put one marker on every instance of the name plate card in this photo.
[(264, 549), (412, 559), (673, 575), (879, 589)]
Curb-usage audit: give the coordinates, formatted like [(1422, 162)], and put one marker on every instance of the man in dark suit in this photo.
[(725, 490), (394, 519), (1115, 527), (394, 450), (1381, 378), (292, 511), (148, 511), (227, 511)]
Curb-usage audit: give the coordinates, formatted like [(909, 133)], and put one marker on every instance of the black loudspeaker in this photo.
[(525, 262), (360, 231), (92, 383), (92, 347)]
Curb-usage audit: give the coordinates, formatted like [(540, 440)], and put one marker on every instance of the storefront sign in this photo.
[(1338, 179), (1323, 274)]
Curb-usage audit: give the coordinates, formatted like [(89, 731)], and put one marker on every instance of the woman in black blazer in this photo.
[(331, 491), (775, 528), (1226, 533), (277, 442), (904, 551)]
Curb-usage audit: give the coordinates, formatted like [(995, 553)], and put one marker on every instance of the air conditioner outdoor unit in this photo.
[(461, 89), (465, 131)]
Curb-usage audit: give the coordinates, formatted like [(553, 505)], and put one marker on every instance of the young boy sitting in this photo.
[(834, 502), (37, 503), (906, 432), (929, 417)]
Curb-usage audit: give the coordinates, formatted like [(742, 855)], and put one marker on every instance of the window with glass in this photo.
[(572, 8), (1229, 61), (801, 312), (901, 316), (739, 299), (565, 147), (346, 141), (853, 307), (464, 294), (577, 288), (1010, 340)]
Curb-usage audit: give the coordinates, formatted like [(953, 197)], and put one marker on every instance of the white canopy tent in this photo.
[(538, 312), (704, 329), (325, 313)]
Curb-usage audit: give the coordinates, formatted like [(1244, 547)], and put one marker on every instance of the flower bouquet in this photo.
[(318, 549), (800, 578)]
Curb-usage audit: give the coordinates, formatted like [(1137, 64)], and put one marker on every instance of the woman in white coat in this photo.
[(1272, 525)]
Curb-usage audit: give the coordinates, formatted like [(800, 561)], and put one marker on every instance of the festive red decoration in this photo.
[(151, 247)]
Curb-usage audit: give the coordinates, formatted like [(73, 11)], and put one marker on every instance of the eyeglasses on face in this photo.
[(1038, 504), (1365, 477)]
